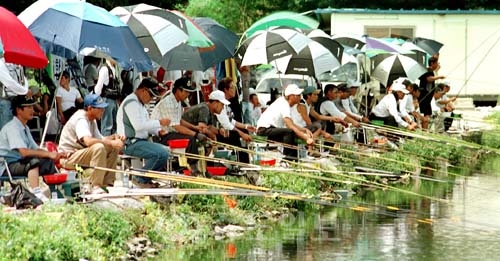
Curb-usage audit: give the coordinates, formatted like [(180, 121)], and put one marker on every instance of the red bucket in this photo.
[(178, 144), (55, 179), (216, 171)]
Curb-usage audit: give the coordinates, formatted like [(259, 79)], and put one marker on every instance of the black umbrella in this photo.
[(429, 45), (351, 41), (186, 57)]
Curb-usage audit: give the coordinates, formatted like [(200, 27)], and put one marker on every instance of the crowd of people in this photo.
[(102, 122)]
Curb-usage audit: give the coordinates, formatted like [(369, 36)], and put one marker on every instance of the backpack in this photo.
[(112, 89)]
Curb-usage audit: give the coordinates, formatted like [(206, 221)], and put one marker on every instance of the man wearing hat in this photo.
[(347, 104), (277, 125), (202, 116), (134, 123), (17, 147), (387, 109), (171, 108), (82, 140)]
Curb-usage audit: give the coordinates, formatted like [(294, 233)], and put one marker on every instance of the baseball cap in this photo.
[(218, 96), (184, 83), (152, 85), (94, 100), (399, 87), (310, 89), (22, 101), (293, 89)]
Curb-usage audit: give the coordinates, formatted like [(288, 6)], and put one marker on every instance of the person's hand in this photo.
[(336, 119), (251, 128), (327, 135), (356, 124), (201, 137), (365, 119), (246, 137), (309, 141), (162, 132), (441, 77), (54, 156), (117, 144), (412, 126), (165, 122), (224, 132)]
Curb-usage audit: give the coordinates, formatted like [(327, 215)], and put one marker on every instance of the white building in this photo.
[(470, 55)]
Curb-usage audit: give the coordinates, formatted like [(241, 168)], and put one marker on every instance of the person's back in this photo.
[(198, 113)]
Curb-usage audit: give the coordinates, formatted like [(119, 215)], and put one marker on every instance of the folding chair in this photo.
[(4, 168)]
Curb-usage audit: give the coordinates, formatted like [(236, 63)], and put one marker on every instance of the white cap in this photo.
[(293, 89), (446, 83), (399, 87), (218, 96)]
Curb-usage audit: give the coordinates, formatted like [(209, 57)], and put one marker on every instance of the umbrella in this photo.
[(429, 45), (388, 67), (158, 30), (64, 28), (376, 46), (197, 36), (313, 60), (17, 45), (265, 47), (186, 57), (356, 42), (283, 18), (420, 54)]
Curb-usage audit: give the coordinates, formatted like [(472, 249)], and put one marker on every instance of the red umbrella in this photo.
[(19, 45)]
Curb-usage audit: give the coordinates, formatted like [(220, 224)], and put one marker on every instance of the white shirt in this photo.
[(275, 114), (68, 97), (169, 108), (328, 108), (138, 117), (77, 127), (297, 117), (12, 85), (255, 113), (224, 120), (406, 106), (388, 106), (350, 108), (436, 109), (103, 78)]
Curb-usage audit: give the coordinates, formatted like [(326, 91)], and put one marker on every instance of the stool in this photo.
[(131, 161), (174, 153)]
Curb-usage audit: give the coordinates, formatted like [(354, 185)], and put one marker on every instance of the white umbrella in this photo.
[(388, 67), (267, 46), (158, 30)]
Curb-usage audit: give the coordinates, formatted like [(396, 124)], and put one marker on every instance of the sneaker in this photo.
[(42, 197)]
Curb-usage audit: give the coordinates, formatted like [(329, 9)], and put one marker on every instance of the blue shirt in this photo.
[(13, 136)]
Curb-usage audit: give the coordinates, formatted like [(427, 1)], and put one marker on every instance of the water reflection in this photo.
[(466, 228)]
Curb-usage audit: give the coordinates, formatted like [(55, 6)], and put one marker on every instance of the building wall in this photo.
[(471, 52)]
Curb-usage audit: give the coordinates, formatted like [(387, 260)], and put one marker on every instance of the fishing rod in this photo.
[(377, 185)]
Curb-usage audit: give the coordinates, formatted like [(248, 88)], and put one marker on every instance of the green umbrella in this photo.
[(197, 37), (283, 18)]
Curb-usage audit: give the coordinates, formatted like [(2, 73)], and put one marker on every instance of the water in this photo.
[(465, 228)]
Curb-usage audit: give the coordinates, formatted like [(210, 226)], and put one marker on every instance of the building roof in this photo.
[(402, 11)]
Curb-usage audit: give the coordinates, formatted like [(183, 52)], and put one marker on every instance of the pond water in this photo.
[(465, 227)]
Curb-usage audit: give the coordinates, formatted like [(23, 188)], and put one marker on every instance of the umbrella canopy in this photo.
[(313, 60), (267, 46), (158, 30), (420, 54), (375, 46), (185, 57), (65, 28), (197, 36), (284, 18), (388, 67), (429, 45), (356, 42), (17, 45)]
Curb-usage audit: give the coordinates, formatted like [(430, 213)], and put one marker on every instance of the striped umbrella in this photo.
[(267, 46), (158, 30), (66, 27)]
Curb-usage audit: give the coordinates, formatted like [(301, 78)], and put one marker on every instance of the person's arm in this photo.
[(140, 121), (322, 117), (299, 132), (403, 110), (301, 108), (59, 109), (393, 111), (39, 153), (101, 80), (224, 121), (434, 78), (9, 82)]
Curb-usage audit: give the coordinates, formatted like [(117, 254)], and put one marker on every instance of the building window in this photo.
[(390, 31)]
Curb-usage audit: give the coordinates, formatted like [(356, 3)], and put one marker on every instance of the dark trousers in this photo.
[(234, 140), (448, 121), (21, 167), (192, 147), (284, 135), (389, 120)]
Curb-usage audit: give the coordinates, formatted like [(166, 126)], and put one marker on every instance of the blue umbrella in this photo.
[(65, 28)]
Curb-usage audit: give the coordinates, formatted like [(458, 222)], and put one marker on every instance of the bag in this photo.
[(21, 198), (112, 90)]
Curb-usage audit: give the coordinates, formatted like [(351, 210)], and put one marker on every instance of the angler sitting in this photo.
[(170, 107), (277, 125), (387, 109), (84, 142)]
